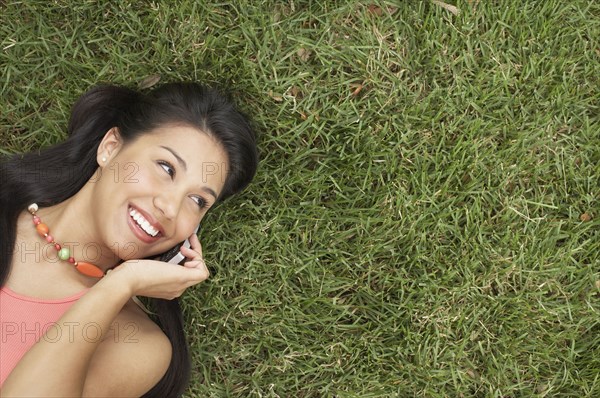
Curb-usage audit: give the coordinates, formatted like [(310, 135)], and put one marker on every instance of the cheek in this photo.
[(131, 172), (132, 177), (188, 228), (117, 175)]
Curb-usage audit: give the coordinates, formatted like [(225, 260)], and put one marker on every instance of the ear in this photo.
[(109, 146)]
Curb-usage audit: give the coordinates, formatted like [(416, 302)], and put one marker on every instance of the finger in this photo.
[(199, 264), (201, 272), (190, 253), (195, 243), (194, 259)]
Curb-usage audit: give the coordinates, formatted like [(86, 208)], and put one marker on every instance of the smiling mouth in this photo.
[(143, 223)]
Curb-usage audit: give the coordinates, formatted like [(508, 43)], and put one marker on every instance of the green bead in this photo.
[(63, 254)]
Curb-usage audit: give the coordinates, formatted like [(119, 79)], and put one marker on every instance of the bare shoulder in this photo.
[(131, 359)]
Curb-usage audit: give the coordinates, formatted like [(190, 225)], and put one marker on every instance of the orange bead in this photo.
[(42, 229), (89, 270)]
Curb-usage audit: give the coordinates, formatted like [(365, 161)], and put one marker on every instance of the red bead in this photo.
[(71, 260), (57, 247), (36, 220), (49, 238)]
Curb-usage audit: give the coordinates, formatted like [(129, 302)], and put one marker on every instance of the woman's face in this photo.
[(153, 192)]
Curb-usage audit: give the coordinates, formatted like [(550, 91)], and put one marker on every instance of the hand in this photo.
[(194, 254), (158, 279)]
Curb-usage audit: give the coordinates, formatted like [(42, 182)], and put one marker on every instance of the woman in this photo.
[(135, 178)]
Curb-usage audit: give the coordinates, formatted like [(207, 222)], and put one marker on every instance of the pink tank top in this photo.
[(23, 321)]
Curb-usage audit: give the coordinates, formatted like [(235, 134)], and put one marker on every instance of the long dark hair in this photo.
[(56, 173)]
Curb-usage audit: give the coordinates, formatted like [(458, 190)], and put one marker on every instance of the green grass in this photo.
[(421, 238)]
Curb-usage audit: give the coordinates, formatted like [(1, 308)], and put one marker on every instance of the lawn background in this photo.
[(425, 218)]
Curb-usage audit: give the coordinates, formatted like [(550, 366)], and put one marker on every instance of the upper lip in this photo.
[(150, 219)]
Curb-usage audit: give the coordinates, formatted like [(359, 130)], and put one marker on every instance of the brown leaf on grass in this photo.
[(357, 88), (277, 98), (303, 54), (541, 388), (375, 10), (472, 373), (295, 91), (598, 284), (149, 81), (585, 217), (378, 11), (307, 114), (449, 7)]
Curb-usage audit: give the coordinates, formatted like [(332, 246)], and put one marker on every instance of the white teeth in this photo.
[(143, 223)]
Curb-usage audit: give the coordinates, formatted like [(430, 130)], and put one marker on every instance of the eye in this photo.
[(168, 168), (199, 201)]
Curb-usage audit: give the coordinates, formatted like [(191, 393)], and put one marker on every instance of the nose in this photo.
[(166, 204)]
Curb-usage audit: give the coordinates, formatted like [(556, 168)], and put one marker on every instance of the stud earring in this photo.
[(103, 159)]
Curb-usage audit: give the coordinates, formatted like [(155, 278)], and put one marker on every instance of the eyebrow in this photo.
[(210, 191), (184, 165), (179, 159)]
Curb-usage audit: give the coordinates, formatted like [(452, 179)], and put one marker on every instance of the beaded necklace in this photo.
[(63, 252)]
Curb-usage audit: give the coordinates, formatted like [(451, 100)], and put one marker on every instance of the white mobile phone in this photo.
[(174, 255)]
